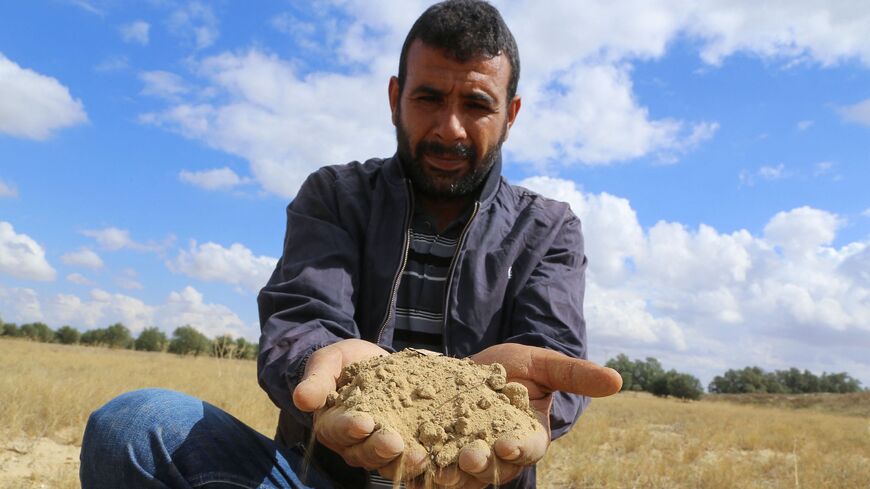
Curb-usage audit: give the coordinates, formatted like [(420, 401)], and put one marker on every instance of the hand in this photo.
[(352, 434), (543, 372)]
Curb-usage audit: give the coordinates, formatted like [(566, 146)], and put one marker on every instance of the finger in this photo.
[(377, 450), (338, 428), (448, 476), (524, 451), (482, 467), (559, 372), (413, 462), (323, 368)]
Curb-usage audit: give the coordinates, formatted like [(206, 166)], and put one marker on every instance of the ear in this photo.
[(394, 99), (512, 111)]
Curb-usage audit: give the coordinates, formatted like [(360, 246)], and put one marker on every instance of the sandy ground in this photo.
[(35, 462)]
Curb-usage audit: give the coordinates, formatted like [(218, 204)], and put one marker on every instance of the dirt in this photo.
[(36, 462), (439, 402)]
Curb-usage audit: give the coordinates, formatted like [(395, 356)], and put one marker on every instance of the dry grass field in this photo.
[(628, 441)]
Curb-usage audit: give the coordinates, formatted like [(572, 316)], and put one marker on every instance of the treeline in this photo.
[(649, 376), (185, 340), (791, 381)]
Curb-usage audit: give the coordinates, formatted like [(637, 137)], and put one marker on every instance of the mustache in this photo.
[(457, 150)]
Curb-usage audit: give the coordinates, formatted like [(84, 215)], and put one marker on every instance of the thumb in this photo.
[(321, 372)]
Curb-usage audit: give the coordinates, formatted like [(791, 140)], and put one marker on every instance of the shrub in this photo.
[(67, 335), (151, 339), (37, 332), (186, 340)]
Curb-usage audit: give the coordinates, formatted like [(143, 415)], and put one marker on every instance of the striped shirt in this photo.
[(420, 299)]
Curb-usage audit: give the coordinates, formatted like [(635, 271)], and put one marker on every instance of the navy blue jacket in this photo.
[(518, 276)]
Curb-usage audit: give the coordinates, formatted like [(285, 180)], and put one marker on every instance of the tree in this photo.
[(67, 335), (186, 340), (93, 337), (637, 375), (840, 383), (676, 384), (11, 330), (118, 336), (246, 350), (37, 332), (224, 346), (151, 339)]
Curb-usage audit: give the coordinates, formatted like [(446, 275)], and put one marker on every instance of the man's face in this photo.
[(451, 119)]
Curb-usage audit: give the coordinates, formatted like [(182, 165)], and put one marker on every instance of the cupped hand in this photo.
[(353, 435), (543, 372)]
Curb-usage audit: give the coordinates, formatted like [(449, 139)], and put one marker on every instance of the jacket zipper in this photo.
[(459, 245), (395, 288)]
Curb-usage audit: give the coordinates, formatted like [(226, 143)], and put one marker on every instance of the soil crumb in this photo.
[(439, 402)]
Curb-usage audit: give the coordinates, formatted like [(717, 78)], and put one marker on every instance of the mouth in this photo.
[(446, 163)]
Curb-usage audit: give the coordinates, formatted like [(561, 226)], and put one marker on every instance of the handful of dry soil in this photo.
[(442, 403)]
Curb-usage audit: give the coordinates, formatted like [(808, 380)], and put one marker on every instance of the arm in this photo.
[(309, 300), (548, 312)]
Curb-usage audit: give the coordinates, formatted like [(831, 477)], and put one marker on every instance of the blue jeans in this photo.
[(155, 438)]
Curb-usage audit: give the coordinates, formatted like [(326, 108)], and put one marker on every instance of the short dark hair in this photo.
[(464, 30)]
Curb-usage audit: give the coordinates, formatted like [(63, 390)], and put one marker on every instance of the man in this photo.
[(430, 248)]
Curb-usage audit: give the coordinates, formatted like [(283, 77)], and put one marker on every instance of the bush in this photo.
[(676, 384), (67, 335), (151, 339), (636, 375), (11, 330), (37, 332), (246, 349), (186, 340)]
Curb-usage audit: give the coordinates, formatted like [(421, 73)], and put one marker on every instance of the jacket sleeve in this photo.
[(548, 312), (309, 301)]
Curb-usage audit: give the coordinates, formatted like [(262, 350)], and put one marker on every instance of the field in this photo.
[(627, 441)]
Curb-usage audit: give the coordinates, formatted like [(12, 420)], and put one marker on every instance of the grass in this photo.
[(626, 441)]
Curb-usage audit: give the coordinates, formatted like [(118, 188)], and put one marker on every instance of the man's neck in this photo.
[(445, 211)]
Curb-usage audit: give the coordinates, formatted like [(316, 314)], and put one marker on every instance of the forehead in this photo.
[(431, 66)]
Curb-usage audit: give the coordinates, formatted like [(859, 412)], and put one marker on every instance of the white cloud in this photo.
[(137, 32), (858, 113), (235, 265), (20, 305), (113, 63), (32, 105), (7, 190), (784, 298), (21, 256), (79, 279), (195, 23), (88, 7), (866, 212), (127, 279), (278, 120), (214, 179), (772, 172), (84, 257), (163, 84), (804, 125), (113, 239), (101, 308), (188, 307)]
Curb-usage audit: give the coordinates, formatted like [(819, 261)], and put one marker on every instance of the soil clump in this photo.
[(438, 402)]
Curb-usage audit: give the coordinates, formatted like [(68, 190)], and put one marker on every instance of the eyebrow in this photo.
[(477, 95)]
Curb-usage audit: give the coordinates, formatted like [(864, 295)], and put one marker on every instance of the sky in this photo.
[(715, 151)]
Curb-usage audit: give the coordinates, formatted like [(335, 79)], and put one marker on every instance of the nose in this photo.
[(450, 127)]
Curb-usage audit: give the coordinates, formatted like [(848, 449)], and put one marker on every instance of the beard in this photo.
[(441, 187)]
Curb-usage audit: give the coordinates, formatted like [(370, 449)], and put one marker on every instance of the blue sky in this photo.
[(716, 152)]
